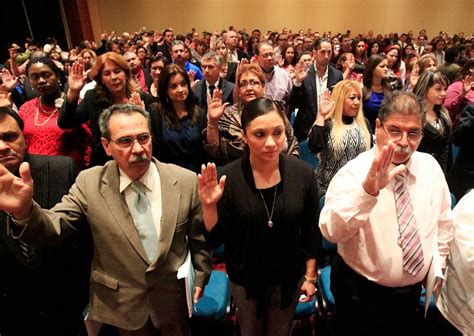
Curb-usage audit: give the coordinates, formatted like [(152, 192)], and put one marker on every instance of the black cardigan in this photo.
[(252, 249)]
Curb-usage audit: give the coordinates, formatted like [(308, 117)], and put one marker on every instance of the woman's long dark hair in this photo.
[(166, 105), (295, 56), (372, 63)]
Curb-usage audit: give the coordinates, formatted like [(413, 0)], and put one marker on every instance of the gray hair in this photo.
[(211, 55), (405, 103), (105, 116), (177, 43), (261, 44)]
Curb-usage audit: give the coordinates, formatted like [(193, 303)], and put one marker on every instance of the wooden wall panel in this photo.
[(382, 16)]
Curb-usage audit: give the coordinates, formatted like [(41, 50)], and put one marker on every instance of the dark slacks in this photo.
[(366, 308), (277, 321)]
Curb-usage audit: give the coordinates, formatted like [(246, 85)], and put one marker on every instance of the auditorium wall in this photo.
[(359, 16)]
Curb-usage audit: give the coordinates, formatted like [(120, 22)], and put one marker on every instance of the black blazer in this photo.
[(46, 296), (461, 177), (90, 108), (305, 99), (231, 72), (241, 54), (200, 92)]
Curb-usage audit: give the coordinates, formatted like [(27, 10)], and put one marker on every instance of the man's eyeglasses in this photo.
[(129, 141), (396, 135), (252, 83)]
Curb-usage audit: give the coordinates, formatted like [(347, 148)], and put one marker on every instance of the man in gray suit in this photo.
[(131, 288), (212, 67), (43, 290)]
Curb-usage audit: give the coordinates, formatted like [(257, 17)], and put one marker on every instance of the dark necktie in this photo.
[(211, 89)]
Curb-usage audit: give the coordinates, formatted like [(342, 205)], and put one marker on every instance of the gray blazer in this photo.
[(200, 92)]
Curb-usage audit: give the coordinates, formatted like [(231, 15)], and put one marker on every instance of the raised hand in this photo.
[(380, 173), (280, 61), (5, 98), (16, 193), (414, 75), (242, 62), (300, 72), (215, 108), (468, 84), (137, 100), (77, 78), (209, 190), (192, 76), (325, 103), (9, 81)]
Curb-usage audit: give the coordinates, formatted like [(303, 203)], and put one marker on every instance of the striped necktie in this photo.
[(143, 218), (409, 238)]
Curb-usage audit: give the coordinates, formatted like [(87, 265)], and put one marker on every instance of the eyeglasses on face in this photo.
[(396, 134), (251, 82), (129, 141)]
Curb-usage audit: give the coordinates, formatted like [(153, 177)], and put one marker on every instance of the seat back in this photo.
[(307, 156), (216, 299)]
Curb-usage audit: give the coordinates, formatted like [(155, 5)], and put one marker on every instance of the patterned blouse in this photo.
[(321, 142)]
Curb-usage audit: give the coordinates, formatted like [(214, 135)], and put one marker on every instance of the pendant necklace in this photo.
[(270, 215)]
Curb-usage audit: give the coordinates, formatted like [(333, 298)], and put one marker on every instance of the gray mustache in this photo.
[(138, 159)]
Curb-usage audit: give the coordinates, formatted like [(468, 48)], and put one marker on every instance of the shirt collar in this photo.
[(146, 179), (216, 84), (325, 73)]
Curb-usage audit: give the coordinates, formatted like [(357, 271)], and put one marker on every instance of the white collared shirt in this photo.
[(456, 301), (365, 227), (321, 83), (233, 56), (152, 183)]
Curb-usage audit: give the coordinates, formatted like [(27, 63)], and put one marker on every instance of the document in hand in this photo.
[(93, 327), (186, 272)]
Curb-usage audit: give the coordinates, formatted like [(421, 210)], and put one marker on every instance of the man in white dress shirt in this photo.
[(376, 279), (456, 300)]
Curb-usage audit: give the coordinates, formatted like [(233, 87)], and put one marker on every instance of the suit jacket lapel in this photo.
[(40, 174), (204, 93), (115, 201), (170, 198), (331, 78), (312, 82), (226, 90)]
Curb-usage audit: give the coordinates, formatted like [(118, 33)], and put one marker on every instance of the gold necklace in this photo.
[(40, 107)]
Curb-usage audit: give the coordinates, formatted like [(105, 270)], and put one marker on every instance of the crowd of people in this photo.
[(139, 117)]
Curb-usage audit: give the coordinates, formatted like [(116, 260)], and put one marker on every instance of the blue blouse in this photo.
[(372, 107)]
